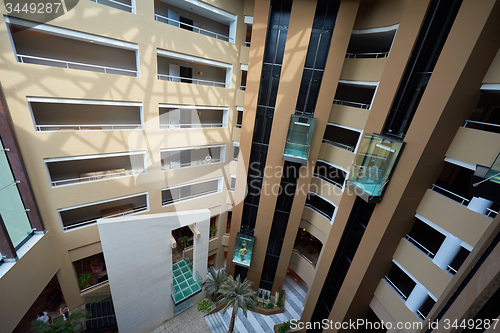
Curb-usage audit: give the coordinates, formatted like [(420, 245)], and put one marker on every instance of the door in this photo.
[(186, 74), (175, 72), (174, 18), (186, 23)]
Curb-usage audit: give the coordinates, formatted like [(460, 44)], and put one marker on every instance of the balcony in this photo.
[(125, 5), (198, 17), (73, 170), (192, 156), (176, 67), (88, 214), (330, 173), (192, 116), (371, 43), (53, 114), (91, 271), (355, 94), (307, 246), (400, 282), (190, 191), (341, 137), (425, 238), (42, 44), (236, 151), (321, 206), (239, 119), (232, 185), (426, 307)]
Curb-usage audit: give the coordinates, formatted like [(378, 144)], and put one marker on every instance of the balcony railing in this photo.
[(395, 288), (451, 270), (192, 196), (328, 180), (420, 314), (353, 104), (72, 65), (420, 246), (339, 145), (367, 55), (304, 256), (92, 221), (467, 122), (247, 44), (238, 125), (128, 8), (208, 125), (244, 88), (455, 197), (70, 181), (90, 127), (491, 213), (205, 32), (173, 78), (317, 210), (193, 163)]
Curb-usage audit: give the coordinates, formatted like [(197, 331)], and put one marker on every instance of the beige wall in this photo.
[(369, 69), (43, 81), (20, 286), (466, 143), (348, 116), (302, 267)]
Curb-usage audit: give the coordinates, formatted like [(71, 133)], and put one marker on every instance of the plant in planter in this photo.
[(213, 230), (279, 303), (269, 305), (284, 328), (85, 280), (205, 306), (185, 241)]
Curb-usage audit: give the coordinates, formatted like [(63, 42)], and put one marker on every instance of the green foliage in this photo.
[(205, 306), (213, 230), (284, 328), (85, 280), (75, 321), (236, 294), (280, 299), (185, 241), (215, 280), (269, 305)]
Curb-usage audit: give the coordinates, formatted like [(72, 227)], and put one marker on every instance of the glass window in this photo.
[(11, 205)]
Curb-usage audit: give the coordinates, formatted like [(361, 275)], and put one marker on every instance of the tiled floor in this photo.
[(189, 321), (295, 291), (185, 283)]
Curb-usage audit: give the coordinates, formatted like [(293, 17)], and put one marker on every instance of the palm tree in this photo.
[(238, 295), (215, 280), (74, 323)]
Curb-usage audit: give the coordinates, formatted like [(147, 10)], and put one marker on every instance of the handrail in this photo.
[(451, 270), (105, 68), (177, 126), (317, 175), (397, 289), (338, 144), (192, 163), (93, 286), (80, 224), (235, 159), (116, 2), (480, 123), (247, 44), (244, 88), (168, 202), (367, 55), (420, 314), (216, 35), (174, 78), (40, 128), (353, 104), (319, 211), (491, 211), (420, 246), (443, 189), (238, 125), (303, 256), (62, 182)]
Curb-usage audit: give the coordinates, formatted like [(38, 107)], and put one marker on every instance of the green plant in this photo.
[(280, 299), (85, 280), (236, 294), (269, 305), (284, 328), (184, 241), (205, 306), (213, 230), (73, 324), (215, 279)]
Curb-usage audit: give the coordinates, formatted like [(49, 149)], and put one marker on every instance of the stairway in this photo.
[(216, 324)]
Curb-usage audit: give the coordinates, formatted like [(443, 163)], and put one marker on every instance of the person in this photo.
[(44, 317), (243, 250), (64, 313), (208, 158)]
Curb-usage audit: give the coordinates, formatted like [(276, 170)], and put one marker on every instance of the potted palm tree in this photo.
[(238, 295)]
